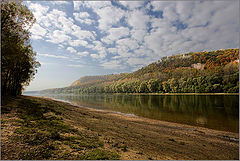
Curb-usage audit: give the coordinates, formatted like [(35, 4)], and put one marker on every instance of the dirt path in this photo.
[(141, 138)]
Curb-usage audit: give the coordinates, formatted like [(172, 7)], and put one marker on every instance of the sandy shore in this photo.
[(146, 138)]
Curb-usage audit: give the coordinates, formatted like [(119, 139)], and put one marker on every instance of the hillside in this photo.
[(97, 79), (199, 72)]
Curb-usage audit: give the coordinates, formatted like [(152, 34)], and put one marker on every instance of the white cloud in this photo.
[(38, 32), (71, 49), (58, 19), (38, 10), (36, 37), (108, 16), (85, 53), (185, 9), (132, 4), (127, 43), (53, 56), (60, 2), (115, 34), (161, 5), (138, 19), (184, 26), (113, 64), (143, 51), (95, 56), (78, 42), (138, 34), (82, 17), (86, 21), (166, 39), (96, 4), (112, 50), (138, 61), (100, 49), (58, 36), (77, 5), (75, 66), (83, 34)]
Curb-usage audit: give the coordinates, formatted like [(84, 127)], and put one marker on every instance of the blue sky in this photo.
[(78, 38)]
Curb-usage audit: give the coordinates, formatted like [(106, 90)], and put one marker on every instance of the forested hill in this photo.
[(199, 72), (97, 79)]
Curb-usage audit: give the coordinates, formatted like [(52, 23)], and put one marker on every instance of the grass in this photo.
[(99, 154), (42, 129)]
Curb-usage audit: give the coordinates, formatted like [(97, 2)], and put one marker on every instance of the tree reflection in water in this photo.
[(212, 111)]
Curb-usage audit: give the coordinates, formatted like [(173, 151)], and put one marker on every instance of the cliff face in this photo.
[(198, 66)]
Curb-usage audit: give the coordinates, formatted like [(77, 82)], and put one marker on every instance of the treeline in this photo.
[(18, 64), (200, 72), (204, 84)]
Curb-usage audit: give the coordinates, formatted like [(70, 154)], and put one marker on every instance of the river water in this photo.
[(220, 112)]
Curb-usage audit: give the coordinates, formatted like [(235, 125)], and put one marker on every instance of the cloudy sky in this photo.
[(75, 38)]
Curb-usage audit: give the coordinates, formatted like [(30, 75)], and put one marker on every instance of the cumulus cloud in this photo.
[(138, 19), (135, 33), (78, 42), (112, 50), (132, 4), (71, 49), (38, 32), (75, 65), (100, 49), (108, 16), (53, 56), (85, 53), (60, 2), (58, 36), (83, 17), (83, 34), (128, 43), (38, 10), (137, 61), (115, 34), (113, 64), (95, 56), (94, 4)]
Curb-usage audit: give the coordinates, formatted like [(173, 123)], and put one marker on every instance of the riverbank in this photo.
[(34, 125)]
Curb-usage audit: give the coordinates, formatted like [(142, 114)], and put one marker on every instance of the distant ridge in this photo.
[(98, 79)]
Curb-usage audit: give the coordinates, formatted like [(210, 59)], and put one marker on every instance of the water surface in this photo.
[(220, 112)]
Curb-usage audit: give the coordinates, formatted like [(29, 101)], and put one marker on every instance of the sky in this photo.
[(79, 38)]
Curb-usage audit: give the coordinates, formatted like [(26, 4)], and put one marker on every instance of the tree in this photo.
[(18, 59), (143, 87), (152, 85)]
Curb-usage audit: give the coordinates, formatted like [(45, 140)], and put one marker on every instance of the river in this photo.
[(220, 112)]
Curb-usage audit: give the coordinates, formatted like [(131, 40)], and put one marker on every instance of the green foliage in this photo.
[(18, 64), (99, 154)]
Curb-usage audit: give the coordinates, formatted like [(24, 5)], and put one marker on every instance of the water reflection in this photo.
[(216, 112)]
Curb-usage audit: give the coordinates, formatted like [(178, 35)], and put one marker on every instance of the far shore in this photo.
[(162, 94), (175, 94)]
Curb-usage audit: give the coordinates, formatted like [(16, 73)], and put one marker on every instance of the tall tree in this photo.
[(18, 62)]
